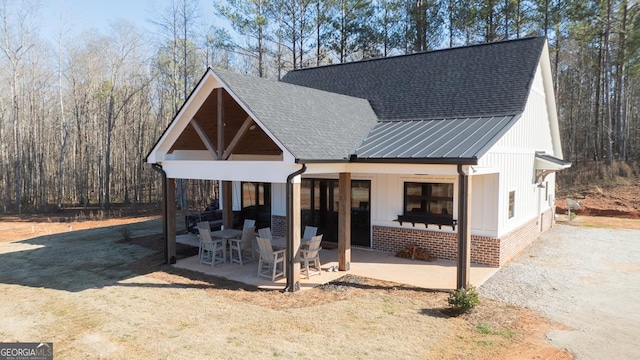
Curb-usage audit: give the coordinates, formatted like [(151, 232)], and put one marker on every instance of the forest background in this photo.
[(79, 114)]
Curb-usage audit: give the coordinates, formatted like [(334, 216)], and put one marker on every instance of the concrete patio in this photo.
[(436, 275)]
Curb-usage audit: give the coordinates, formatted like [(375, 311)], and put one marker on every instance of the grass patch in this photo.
[(483, 329), (486, 330)]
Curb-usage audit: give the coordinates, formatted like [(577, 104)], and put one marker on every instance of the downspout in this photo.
[(159, 169), (464, 261), (289, 238)]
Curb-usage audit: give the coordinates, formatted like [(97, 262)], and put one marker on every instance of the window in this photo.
[(512, 203), (546, 191), (256, 203), (428, 198)]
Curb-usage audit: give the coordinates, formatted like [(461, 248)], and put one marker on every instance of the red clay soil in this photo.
[(622, 201)]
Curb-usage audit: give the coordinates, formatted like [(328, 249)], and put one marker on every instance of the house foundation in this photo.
[(493, 252)]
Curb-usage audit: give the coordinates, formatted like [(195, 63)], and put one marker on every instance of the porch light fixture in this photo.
[(252, 127)]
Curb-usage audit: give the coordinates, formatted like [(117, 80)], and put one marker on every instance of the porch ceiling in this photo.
[(255, 141)]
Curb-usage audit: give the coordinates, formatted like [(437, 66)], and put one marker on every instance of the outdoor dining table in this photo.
[(226, 234)]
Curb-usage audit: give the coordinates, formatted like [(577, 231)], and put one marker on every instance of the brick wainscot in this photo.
[(443, 245)]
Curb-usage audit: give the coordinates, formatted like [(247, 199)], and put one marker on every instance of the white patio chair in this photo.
[(212, 251), (265, 233), (248, 223), (269, 260), (310, 257), (242, 249), (202, 227), (309, 232)]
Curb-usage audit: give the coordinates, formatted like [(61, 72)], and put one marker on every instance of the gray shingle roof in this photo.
[(436, 139), (473, 81), (311, 124)]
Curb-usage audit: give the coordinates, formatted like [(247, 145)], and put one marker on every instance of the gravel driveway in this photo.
[(587, 279)]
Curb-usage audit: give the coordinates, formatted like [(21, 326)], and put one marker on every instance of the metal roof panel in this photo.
[(433, 138)]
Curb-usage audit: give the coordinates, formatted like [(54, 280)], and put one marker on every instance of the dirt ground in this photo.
[(98, 289), (621, 201), (585, 278)]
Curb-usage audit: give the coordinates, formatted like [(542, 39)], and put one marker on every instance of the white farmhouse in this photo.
[(454, 150)]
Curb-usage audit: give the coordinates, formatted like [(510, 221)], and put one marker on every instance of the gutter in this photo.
[(353, 158), (159, 169), (463, 262), (418, 161), (289, 232)]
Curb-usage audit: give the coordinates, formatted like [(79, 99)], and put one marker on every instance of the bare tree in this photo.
[(17, 41), (181, 65), (125, 62)]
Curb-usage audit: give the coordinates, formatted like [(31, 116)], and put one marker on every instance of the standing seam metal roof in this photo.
[(445, 104), (464, 138)]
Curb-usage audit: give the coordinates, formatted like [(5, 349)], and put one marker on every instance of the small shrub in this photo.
[(463, 300)]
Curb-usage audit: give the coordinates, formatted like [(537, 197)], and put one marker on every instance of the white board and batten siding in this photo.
[(387, 196), (484, 212), (514, 155), (387, 199)]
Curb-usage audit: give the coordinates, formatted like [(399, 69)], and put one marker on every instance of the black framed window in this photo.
[(428, 198), (256, 203), (512, 203)]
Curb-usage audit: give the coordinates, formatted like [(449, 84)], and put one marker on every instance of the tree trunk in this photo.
[(107, 152), (607, 89), (17, 166)]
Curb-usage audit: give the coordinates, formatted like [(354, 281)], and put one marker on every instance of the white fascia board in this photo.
[(412, 169), (326, 168), (483, 170), (377, 168), (258, 171), (542, 164), (253, 157), (547, 79), (182, 119)]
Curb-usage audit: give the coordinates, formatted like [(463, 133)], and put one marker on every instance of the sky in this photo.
[(82, 15)]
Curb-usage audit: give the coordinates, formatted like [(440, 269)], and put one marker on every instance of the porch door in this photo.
[(256, 203), (319, 203)]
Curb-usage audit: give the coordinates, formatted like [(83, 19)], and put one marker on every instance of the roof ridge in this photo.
[(281, 83), (457, 48)]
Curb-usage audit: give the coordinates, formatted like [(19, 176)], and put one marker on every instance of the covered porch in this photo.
[(435, 275), (237, 129)]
